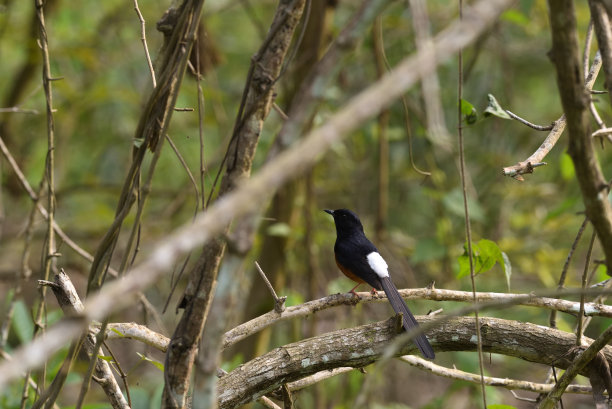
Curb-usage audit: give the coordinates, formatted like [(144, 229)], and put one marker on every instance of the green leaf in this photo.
[(106, 358), (486, 253), (279, 229), (470, 115), (157, 364), (464, 265), (567, 167), (138, 142), (500, 406), (489, 254), (22, 322), (516, 17), (495, 109), (507, 267)]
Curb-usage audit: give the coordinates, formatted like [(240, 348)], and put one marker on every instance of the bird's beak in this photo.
[(329, 211)]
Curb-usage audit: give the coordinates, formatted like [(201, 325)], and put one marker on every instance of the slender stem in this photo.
[(143, 38), (585, 274), (468, 228)]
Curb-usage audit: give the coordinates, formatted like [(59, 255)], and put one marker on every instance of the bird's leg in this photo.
[(352, 291), (374, 293)]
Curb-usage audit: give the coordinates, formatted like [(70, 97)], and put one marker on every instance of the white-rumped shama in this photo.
[(360, 261)]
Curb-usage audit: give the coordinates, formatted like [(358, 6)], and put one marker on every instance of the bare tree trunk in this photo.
[(257, 101)]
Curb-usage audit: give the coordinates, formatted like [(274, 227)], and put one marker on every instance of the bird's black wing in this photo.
[(352, 254)]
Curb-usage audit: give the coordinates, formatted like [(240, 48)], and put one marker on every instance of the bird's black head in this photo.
[(347, 222)]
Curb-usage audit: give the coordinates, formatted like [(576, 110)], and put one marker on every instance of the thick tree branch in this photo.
[(565, 54), (579, 365), (312, 307), (361, 346)]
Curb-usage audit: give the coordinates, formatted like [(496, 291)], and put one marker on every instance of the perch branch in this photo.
[(312, 307), (143, 334), (288, 363)]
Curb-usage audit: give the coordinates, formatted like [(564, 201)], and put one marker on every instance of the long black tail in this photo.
[(399, 305)]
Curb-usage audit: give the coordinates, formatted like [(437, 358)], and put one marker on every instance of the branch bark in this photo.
[(70, 303), (361, 346), (565, 54), (309, 308)]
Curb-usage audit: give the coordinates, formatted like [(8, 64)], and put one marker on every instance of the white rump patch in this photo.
[(378, 264)]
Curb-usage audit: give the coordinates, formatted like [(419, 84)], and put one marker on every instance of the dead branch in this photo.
[(70, 303)]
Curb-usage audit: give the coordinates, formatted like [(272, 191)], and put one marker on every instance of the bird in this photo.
[(360, 261)]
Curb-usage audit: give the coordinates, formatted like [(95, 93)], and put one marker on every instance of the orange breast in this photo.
[(348, 273)]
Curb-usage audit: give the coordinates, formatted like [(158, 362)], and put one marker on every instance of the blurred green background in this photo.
[(95, 48)]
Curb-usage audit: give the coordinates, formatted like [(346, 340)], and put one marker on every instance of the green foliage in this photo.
[(486, 254), (495, 109), (279, 229), (157, 364), (98, 106), (469, 113), (566, 166), (22, 321)]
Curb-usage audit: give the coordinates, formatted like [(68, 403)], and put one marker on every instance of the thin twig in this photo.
[(506, 383), (18, 110), (186, 168), (585, 67), (201, 202), (280, 111), (585, 272), (538, 156), (530, 124), (143, 38), (406, 113), (279, 303), (34, 197), (468, 228), (553, 314), (49, 261)]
